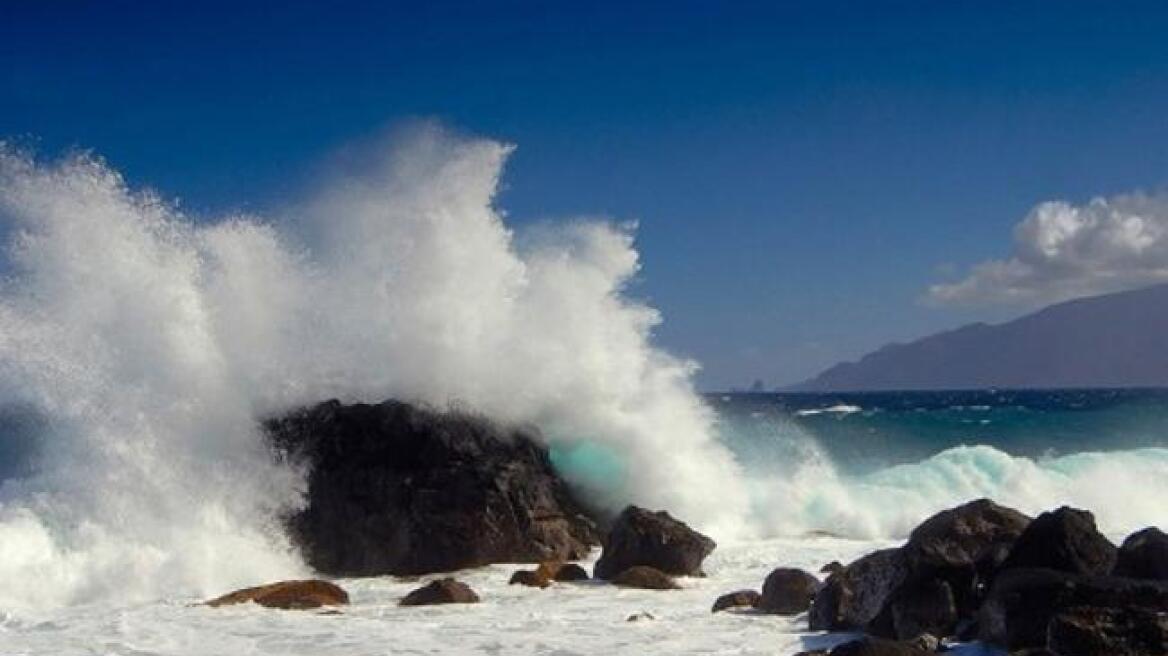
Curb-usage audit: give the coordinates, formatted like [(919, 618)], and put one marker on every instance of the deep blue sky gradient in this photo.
[(801, 171)]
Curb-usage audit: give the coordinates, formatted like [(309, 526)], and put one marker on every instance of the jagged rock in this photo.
[(1144, 555), (739, 599), (871, 646), (924, 607), (1066, 540), (530, 578), (644, 577), (441, 591), (653, 539), (853, 598), (398, 489), (963, 546), (1086, 631), (1019, 608), (787, 591), (288, 595), (569, 572)]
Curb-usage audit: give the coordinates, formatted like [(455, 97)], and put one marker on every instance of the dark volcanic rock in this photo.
[(644, 577), (1144, 555), (397, 489), (569, 572), (289, 595), (1066, 540), (923, 607), (853, 598), (654, 539), (739, 599), (442, 591), (877, 647), (1019, 608), (1087, 631), (787, 591), (530, 578)]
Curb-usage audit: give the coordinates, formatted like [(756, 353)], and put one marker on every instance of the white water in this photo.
[(149, 343)]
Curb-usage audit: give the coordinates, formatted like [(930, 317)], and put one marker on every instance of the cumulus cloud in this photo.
[(1064, 251)]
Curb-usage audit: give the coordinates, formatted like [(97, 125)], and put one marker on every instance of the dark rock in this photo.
[(870, 646), (1144, 555), (644, 577), (924, 607), (1066, 540), (442, 591), (787, 591), (852, 599), (832, 568), (397, 489), (288, 595), (925, 642), (1022, 602), (640, 617), (963, 546), (654, 539), (739, 599), (1087, 631), (568, 572), (530, 578)]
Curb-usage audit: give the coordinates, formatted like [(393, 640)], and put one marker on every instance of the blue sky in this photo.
[(802, 172)]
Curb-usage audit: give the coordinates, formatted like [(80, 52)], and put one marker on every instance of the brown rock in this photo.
[(741, 598), (530, 578), (441, 591), (289, 595), (571, 572), (654, 539), (787, 591), (646, 578)]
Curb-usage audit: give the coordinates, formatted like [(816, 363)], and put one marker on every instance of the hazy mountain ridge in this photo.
[(1113, 340)]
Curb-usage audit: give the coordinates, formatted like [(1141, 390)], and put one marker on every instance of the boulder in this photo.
[(832, 568), (399, 489), (644, 577), (739, 599), (1066, 540), (441, 591), (1019, 608), (570, 572), (787, 591), (924, 607), (870, 646), (1086, 631), (963, 546), (288, 595), (1144, 555), (530, 578), (653, 539), (853, 598)]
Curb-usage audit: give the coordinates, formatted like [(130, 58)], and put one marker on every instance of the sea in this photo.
[(847, 473)]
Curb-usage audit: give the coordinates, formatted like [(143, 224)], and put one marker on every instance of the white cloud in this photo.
[(1064, 251)]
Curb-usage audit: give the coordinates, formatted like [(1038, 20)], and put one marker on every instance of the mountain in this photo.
[(1114, 340)]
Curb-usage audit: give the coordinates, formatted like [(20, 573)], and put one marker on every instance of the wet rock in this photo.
[(924, 607), (569, 572), (1065, 540), (398, 489), (640, 617), (441, 591), (530, 578), (1019, 608), (852, 599), (833, 567), (653, 539), (787, 591), (646, 578), (288, 595), (925, 642), (1086, 631), (1144, 555), (739, 599), (870, 646)]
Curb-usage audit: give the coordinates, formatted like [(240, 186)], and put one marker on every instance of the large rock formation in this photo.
[(1066, 540), (398, 489), (654, 539)]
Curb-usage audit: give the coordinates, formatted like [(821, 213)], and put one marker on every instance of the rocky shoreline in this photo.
[(477, 494)]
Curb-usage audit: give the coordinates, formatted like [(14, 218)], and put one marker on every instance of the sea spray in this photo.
[(151, 342)]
